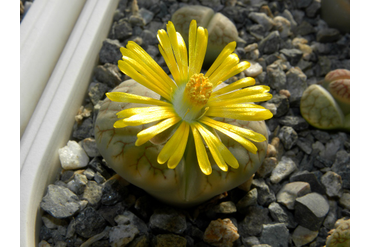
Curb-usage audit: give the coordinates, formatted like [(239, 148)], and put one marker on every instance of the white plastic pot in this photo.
[(50, 126)]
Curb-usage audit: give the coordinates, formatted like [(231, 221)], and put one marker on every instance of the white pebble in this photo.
[(73, 156), (254, 70)]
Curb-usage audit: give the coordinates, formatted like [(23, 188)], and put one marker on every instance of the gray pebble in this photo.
[(89, 173), (78, 184), (301, 4), (146, 15), (275, 233), (99, 178), (304, 28), (308, 177), (265, 196), (83, 130), (89, 223), (332, 215), (270, 44), (128, 217), (305, 145), (310, 210), (168, 220), (112, 192), (296, 122), (122, 30), (289, 192), (288, 136), (341, 166), (267, 166), (313, 8), (276, 77), (254, 220), (227, 207), (92, 193), (262, 19), (295, 83), (110, 53), (121, 235), (332, 183), (302, 236), (278, 214), (108, 74), (344, 200), (96, 91), (328, 35), (293, 55), (281, 103), (60, 202), (248, 200)]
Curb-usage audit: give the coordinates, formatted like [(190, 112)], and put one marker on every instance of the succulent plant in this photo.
[(327, 106), (221, 30), (187, 139), (340, 235)]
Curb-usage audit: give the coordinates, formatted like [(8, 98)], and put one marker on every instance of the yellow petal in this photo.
[(192, 42), (241, 100), (165, 49), (172, 145), (127, 68), (132, 98), (147, 134), (145, 118), (207, 137), (235, 70), (227, 65), (228, 49), (141, 110), (242, 93), (179, 49), (203, 161), (119, 124), (199, 51), (245, 82), (147, 59), (227, 128), (179, 152), (248, 114)]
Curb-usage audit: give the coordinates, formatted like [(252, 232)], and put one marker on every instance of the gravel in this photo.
[(297, 195)]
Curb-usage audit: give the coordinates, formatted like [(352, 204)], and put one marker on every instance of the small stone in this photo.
[(78, 184), (254, 219), (332, 183), (296, 122), (92, 193), (313, 8), (128, 217), (283, 169), (304, 28), (248, 200), (71, 229), (276, 77), (89, 146), (293, 55), (283, 26), (321, 136), (262, 19), (136, 21), (267, 166), (99, 178), (43, 243), (341, 166), (288, 137), (301, 4), (113, 191), (344, 200), (108, 74), (282, 104), (270, 44), (308, 177), (168, 220), (275, 233), (169, 240), (302, 236), (60, 202), (140, 241), (332, 216), (110, 212), (96, 91), (89, 223), (67, 175), (110, 53), (51, 222), (310, 210), (305, 145), (254, 70), (146, 15), (121, 235), (295, 83), (89, 173), (289, 192), (332, 147), (221, 232), (227, 207), (72, 156), (278, 214), (265, 196), (327, 35), (122, 30)]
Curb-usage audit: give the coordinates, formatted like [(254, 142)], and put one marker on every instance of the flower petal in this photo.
[(245, 82), (147, 134), (212, 145), (132, 69), (241, 93), (172, 144), (198, 51), (181, 145), (141, 54), (141, 110), (203, 161), (248, 114), (250, 98), (227, 65), (132, 98), (145, 118), (227, 128), (228, 49)]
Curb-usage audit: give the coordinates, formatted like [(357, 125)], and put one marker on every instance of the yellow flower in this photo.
[(189, 102)]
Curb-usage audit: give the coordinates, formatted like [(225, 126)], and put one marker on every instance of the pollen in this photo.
[(198, 89)]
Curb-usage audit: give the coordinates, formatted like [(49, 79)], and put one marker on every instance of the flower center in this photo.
[(189, 101), (198, 90)]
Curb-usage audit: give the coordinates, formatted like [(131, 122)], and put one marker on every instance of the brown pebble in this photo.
[(221, 233), (284, 92)]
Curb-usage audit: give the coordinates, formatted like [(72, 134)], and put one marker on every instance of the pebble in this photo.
[(168, 220), (288, 137), (89, 223), (292, 53), (302, 236), (221, 232), (332, 183), (289, 192), (275, 233), (313, 8), (72, 156), (122, 235), (310, 210)]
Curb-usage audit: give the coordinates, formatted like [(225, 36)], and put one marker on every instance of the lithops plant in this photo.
[(221, 30), (198, 137), (327, 106), (340, 235)]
